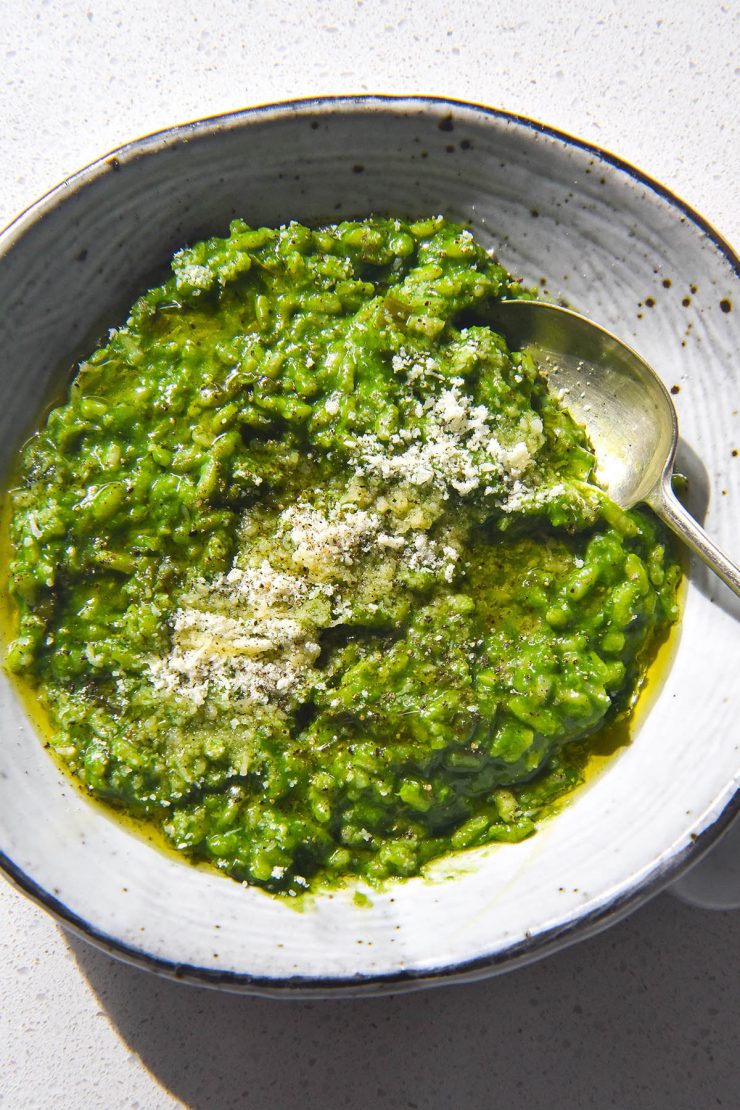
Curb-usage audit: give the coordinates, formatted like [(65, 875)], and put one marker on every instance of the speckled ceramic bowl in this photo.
[(559, 212)]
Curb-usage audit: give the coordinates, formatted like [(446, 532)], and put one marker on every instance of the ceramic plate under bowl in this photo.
[(622, 250)]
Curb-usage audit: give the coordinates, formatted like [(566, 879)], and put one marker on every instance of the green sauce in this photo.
[(310, 569)]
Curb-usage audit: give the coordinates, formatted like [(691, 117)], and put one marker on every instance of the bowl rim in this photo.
[(580, 926), (151, 141)]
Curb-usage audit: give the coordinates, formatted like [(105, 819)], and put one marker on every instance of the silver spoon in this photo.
[(626, 410)]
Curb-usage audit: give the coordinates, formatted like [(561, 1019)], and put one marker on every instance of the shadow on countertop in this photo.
[(644, 1015)]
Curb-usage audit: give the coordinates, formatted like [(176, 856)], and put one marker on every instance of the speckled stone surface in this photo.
[(643, 1016)]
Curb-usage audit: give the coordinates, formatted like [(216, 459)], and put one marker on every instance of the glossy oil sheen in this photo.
[(458, 687), (605, 236)]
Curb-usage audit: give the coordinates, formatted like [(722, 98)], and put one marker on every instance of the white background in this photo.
[(644, 1016)]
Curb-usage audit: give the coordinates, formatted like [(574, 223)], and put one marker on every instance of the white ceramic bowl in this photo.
[(621, 249)]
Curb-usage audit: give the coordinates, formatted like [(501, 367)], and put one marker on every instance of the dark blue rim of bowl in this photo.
[(534, 946)]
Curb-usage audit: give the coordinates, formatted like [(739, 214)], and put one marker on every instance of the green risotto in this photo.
[(311, 570)]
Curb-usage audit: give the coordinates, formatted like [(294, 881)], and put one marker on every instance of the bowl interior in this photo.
[(559, 214)]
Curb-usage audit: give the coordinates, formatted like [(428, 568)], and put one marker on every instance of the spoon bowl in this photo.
[(624, 407)]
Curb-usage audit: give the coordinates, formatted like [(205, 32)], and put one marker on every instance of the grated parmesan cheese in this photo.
[(321, 541), (261, 654), (250, 636), (453, 448)]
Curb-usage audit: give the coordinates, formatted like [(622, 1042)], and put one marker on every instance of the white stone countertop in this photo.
[(647, 1014)]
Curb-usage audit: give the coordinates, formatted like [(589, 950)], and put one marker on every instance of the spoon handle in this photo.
[(663, 501)]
